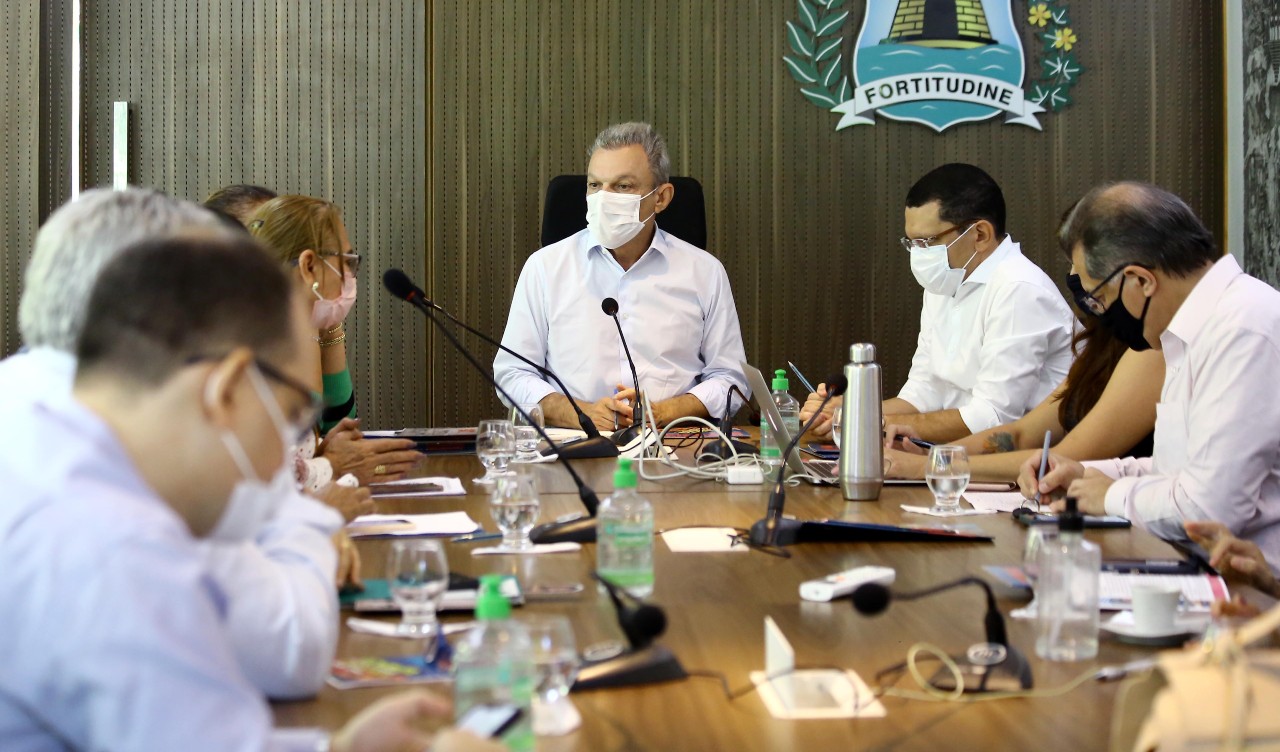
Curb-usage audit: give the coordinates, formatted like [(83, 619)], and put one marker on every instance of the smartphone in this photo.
[(490, 721), (1028, 517), (404, 489)]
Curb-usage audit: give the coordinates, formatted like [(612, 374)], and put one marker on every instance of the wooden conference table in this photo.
[(716, 604)]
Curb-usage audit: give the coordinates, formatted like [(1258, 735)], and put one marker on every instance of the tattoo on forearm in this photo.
[(998, 442)]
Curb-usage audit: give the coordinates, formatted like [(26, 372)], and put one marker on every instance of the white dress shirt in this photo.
[(997, 348), (283, 608), (1217, 435), (674, 304), (113, 632)]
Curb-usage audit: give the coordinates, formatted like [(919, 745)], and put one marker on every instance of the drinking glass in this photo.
[(418, 575), (555, 661), (495, 446), (947, 473), (837, 416), (527, 431), (514, 504)]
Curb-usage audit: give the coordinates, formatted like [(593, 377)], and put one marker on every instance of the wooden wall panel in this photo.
[(19, 159), (805, 218), (317, 97)]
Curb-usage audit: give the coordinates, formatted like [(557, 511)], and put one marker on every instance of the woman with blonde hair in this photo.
[(308, 235)]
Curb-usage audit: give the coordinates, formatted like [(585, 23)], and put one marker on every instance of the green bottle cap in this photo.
[(780, 382), (624, 476), (490, 603)]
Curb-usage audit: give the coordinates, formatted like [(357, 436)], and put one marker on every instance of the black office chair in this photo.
[(566, 211)]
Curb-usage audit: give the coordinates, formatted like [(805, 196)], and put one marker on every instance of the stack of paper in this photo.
[(447, 523)]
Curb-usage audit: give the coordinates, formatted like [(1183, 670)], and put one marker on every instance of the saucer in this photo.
[(1185, 626)]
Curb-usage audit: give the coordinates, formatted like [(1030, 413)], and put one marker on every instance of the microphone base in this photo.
[(576, 530), (721, 450), (627, 435), (1013, 674), (649, 665), (786, 532), (595, 447)]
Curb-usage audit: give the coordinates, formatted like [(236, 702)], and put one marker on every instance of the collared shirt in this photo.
[(283, 611), (674, 304), (997, 348), (114, 635), (1217, 445)]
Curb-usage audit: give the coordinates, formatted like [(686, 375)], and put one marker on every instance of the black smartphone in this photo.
[(1030, 517), (490, 721)]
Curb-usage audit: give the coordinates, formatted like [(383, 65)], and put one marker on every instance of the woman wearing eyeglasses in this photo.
[(309, 236)]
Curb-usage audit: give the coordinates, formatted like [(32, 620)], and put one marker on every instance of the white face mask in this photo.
[(253, 502), (933, 270), (614, 218)]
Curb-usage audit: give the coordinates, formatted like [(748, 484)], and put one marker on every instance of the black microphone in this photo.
[(1006, 667), (642, 662), (595, 445), (581, 529), (626, 436), (765, 531), (641, 622)]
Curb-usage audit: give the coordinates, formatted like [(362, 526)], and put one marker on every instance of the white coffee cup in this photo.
[(1155, 607)]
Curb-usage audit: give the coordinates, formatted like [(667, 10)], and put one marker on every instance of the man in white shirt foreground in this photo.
[(995, 333), (675, 303), (1149, 269), (187, 396), (282, 612)]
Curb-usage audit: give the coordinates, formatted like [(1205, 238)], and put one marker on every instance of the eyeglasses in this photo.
[(350, 259), (1086, 301), (305, 419), (919, 244)]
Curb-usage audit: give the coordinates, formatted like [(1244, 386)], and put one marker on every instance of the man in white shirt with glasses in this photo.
[(995, 333), (1150, 271)]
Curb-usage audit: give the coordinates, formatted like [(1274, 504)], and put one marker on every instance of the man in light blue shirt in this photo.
[(187, 395), (283, 610), (675, 303)]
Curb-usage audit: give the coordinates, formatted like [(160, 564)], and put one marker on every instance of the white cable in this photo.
[(716, 470)]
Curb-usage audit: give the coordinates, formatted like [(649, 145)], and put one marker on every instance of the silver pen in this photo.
[(803, 380)]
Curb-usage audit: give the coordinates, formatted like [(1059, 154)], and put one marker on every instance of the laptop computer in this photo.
[(820, 471)]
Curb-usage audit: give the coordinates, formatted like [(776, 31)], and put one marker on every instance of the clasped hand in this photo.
[(349, 452), (612, 412)]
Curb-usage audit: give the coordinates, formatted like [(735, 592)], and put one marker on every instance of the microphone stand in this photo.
[(773, 530), (995, 666), (594, 445), (626, 436), (726, 448), (578, 529), (642, 662)]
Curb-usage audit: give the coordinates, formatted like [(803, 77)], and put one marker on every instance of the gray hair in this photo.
[(642, 135), (77, 241), (1138, 223)]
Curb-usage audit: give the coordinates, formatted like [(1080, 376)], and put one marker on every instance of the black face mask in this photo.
[(1122, 323), (1077, 293)]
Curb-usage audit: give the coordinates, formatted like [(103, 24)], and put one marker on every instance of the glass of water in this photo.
[(495, 446), (555, 661), (418, 575), (947, 473), (527, 431), (514, 505)]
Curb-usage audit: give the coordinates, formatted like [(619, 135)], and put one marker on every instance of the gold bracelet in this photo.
[(331, 342), (332, 330)]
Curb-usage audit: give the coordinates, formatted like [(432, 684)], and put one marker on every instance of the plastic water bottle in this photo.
[(493, 664), (789, 409), (624, 543), (1067, 593)]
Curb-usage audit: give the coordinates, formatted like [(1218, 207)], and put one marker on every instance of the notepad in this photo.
[(445, 523)]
